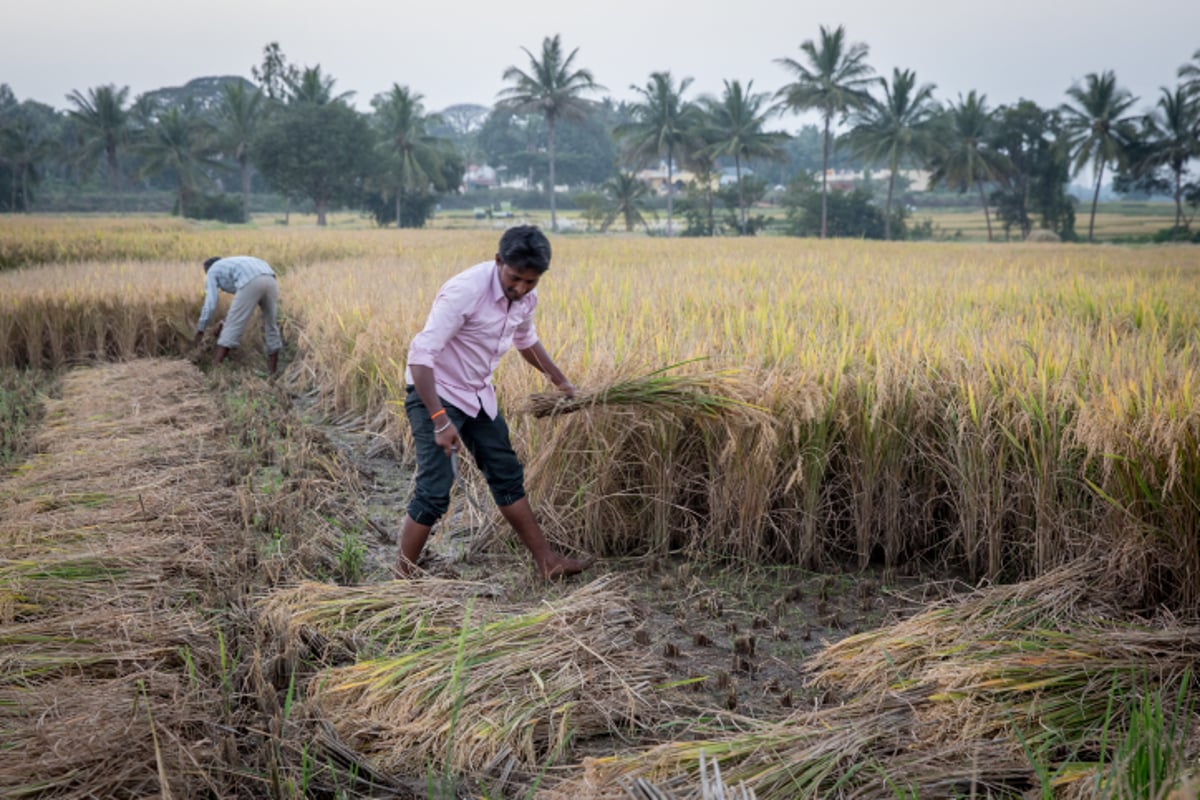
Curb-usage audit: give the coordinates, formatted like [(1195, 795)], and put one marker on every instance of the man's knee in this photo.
[(427, 510)]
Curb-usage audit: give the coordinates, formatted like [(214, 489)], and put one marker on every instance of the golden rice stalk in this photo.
[(512, 691), (706, 394)]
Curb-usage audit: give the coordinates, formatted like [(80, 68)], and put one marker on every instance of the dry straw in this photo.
[(125, 554), (977, 697), (505, 692)]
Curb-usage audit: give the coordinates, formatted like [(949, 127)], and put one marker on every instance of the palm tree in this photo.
[(416, 157), (241, 110), (660, 126), (965, 158), (1190, 73), (736, 121), (553, 89), (1097, 130), (23, 147), (180, 143), (103, 122), (897, 128), (313, 87), (1172, 139), (834, 81), (626, 199)]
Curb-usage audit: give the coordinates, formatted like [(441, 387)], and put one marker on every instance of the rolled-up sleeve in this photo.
[(446, 317), (211, 293)]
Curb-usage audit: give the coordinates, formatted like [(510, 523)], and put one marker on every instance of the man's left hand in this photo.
[(566, 387)]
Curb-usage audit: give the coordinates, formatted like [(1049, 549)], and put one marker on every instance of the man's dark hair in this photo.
[(210, 261), (525, 247)]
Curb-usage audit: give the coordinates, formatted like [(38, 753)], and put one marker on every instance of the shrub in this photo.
[(221, 207)]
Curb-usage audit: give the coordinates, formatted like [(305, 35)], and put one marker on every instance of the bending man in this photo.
[(251, 281), (476, 317)]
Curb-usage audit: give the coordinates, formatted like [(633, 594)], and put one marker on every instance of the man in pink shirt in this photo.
[(476, 317)]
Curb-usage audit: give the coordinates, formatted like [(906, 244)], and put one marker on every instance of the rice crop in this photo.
[(996, 409), (999, 410)]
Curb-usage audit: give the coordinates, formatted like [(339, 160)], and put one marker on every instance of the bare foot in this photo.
[(404, 569), (562, 567)]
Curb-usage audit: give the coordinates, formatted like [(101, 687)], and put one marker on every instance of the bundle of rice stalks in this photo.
[(693, 394), (376, 618), (509, 693), (100, 641)]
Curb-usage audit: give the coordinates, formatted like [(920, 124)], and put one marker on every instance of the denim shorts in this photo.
[(487, 441)]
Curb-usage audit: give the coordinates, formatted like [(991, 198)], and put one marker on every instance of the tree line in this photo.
[(289, 132)]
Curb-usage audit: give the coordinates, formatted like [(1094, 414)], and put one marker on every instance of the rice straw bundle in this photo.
[(511, 692), (364, 617), (705, 394)]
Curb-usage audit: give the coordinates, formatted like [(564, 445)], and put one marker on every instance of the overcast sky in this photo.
[(455, 52)]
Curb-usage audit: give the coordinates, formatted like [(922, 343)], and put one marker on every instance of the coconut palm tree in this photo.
[(965, 157), (552, 88), (661, 121), (103, 123), (736, 123), (180, 143), (626, 199), (23, 146), (415, 156), (313, 87), (1171, 139), (1097, 128), (897, 128), (1189, 73), (834, 81), (241, 109)]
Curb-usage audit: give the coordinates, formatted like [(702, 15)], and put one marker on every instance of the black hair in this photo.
[(210, 261), (525, 247)]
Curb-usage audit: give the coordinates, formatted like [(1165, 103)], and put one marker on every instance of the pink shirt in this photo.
[(471, 325)]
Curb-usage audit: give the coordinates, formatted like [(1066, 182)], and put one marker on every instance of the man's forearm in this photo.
[(426, 387), (537, 356)]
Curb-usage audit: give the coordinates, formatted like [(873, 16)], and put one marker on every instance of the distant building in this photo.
[(846, 180), (479, 176), (729, 175), (656, 178)]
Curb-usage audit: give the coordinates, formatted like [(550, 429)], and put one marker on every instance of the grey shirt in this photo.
[(229, 275)]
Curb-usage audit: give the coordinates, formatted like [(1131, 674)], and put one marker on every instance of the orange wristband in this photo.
[(437, 414)]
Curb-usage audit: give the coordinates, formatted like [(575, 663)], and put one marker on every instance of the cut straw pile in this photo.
[(982, 697), (110, 537), (368, 620), (506, 691), (693, 394)]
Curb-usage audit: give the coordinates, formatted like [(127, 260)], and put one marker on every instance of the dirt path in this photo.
[(116, 537)]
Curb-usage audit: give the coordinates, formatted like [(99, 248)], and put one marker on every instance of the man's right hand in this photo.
[(199, 339), (448, 439)]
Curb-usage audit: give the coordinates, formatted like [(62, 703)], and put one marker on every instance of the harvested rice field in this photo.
[(870, 521)]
